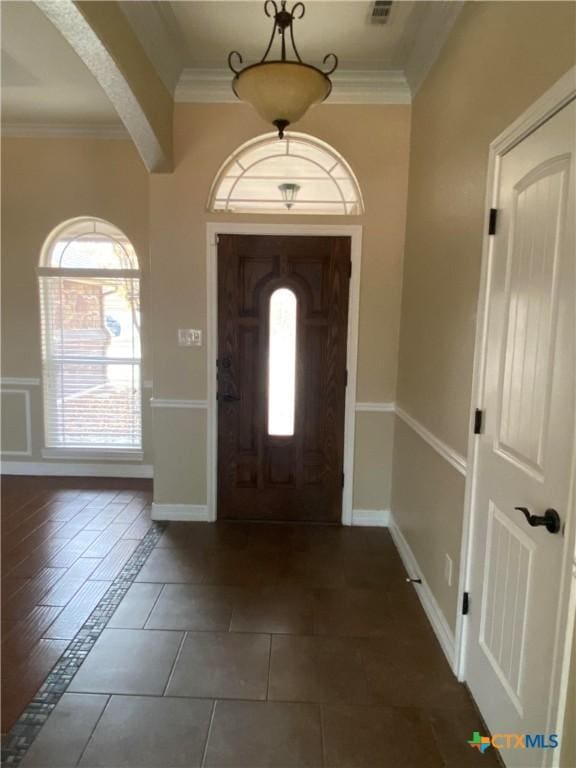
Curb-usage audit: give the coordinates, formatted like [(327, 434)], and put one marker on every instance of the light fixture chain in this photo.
[(301, 6), (274, 25), (282, 31)]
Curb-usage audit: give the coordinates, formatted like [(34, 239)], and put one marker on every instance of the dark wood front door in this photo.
[(282, 327)]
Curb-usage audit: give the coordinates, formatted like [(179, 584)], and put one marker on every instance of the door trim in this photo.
[(354, 232), (551, 102)]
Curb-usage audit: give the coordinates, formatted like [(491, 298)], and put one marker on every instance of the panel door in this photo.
[(282, 329), (526, 454)]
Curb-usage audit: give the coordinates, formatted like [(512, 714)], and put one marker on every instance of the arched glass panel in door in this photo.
[(282, 362)]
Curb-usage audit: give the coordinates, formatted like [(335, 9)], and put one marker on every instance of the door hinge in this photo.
[(465, 603), (492, 221), (349, 270), (478, 421), (217, 238), (346, 378), (342, 479)]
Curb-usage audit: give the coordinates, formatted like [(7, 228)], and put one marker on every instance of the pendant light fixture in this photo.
[(282, 90), (289, 192)]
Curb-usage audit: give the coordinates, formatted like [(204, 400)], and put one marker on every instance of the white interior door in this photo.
[(526, 451)]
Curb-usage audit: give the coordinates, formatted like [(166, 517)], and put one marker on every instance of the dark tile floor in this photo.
[(264, 645), (64, 540)]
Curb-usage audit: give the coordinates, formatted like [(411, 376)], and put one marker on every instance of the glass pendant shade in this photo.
[(281, 91)]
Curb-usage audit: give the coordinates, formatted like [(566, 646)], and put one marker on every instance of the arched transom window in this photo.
[(297, 174), (91, 353)]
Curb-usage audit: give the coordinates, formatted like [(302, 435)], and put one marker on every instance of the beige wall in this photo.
[(50, 180), (499, 58), (373, 449), (374, 140), (45, 182)]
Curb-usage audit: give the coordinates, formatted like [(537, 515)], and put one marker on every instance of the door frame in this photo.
[(354, 232), (551, 102)]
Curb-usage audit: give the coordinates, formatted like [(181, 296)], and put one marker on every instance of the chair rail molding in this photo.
[(454, 458), (376, 407), (165, 402), (13, 381)]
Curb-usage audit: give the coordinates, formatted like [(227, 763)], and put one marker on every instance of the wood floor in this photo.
[(63, 542)]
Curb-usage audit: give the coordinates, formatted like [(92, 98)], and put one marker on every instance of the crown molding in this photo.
[(204, 86), (370, 87), (212, 86), (430, 37), (63, 131)]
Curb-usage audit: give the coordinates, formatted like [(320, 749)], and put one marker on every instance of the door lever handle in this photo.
[(550, 519), (226, 397)]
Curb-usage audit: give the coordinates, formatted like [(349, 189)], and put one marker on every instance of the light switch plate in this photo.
[(189, 337)]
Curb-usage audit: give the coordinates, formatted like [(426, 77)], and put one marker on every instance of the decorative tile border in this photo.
[(24, 731)]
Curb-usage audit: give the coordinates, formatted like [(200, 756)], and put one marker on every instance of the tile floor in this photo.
[(264, 645), (63, 543)]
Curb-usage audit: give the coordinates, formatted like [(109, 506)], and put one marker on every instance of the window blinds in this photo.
[(91, 359)]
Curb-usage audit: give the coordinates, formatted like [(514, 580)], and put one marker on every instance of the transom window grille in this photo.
[(91, 352), (251, 180)]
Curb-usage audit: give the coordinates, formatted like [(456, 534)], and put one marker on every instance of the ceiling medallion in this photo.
[(282, 90)]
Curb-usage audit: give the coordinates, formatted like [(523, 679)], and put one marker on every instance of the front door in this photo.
[(282, 329), (526, 454)]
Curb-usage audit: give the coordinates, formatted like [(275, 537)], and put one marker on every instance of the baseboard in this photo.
[(182, 512), (376, 518), (73, 469), (435, 616)]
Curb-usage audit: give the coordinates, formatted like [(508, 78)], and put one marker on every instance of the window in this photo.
[(282, 363), (91, 354), (298, 174)]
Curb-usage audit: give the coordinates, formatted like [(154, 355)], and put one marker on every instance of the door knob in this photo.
[(550, 519), (226, 397)]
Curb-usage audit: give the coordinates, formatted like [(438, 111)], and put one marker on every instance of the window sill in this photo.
[(90, 454)]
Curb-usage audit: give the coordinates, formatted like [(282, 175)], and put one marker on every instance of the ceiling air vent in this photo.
[(380, 11)]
